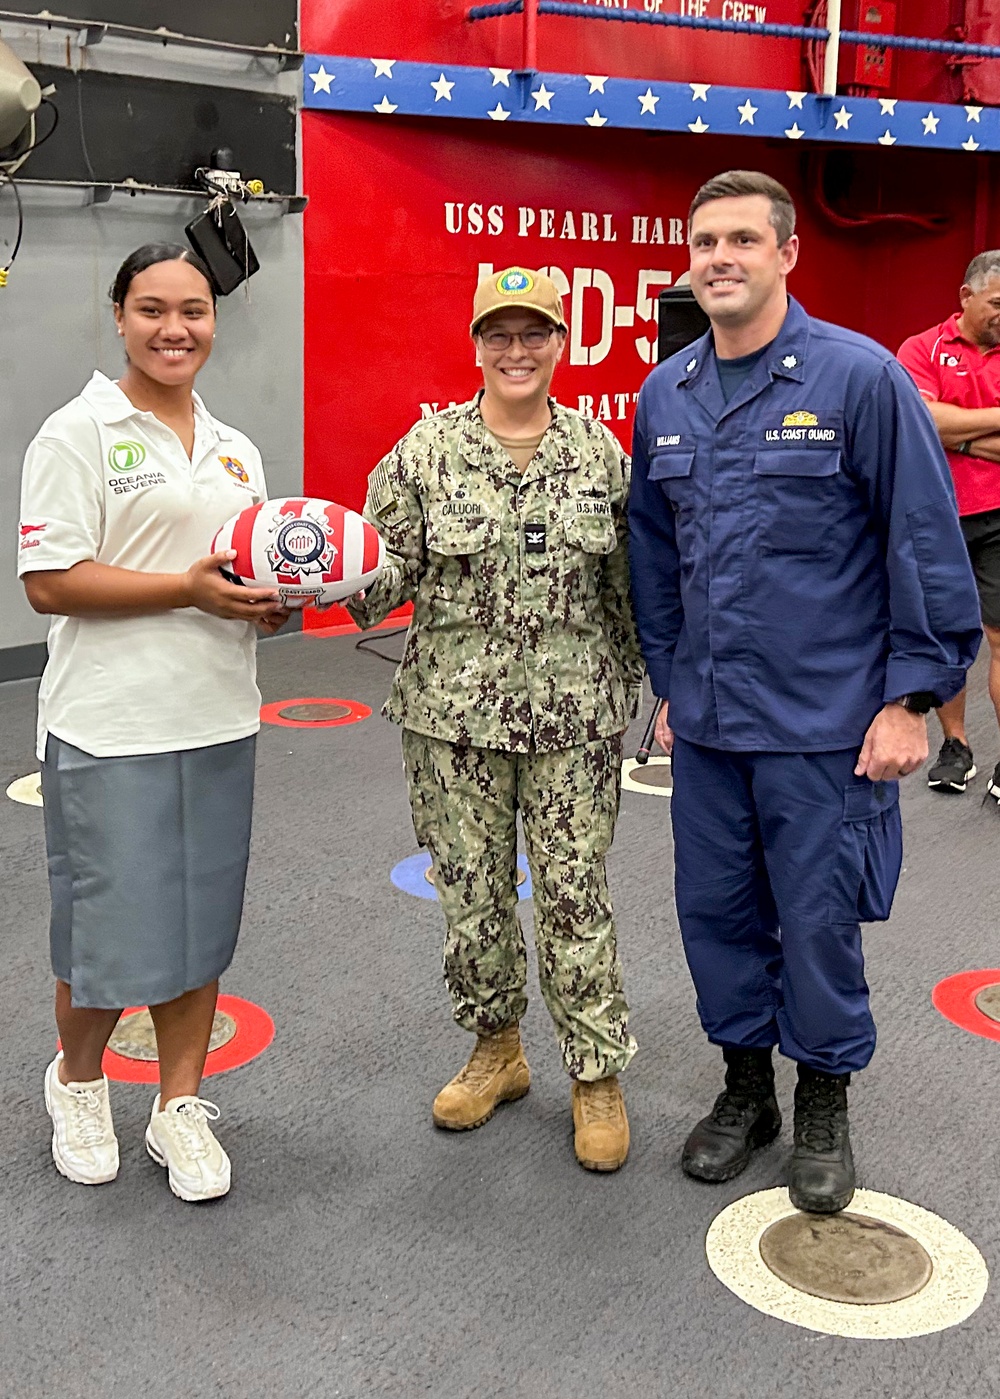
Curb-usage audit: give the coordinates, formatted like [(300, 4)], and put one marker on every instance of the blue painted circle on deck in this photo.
[(410, 875)]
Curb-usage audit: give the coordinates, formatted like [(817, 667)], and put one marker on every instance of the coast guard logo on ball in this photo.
[(236, 468), (126, 456), (302, 546), (515, 283)]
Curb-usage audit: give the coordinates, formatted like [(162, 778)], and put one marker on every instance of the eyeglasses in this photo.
[(536, 337)]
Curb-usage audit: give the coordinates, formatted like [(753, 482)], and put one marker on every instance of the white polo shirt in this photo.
[(105, 482)]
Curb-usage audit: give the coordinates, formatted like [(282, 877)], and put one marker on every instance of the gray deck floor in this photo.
[(362, 1253)]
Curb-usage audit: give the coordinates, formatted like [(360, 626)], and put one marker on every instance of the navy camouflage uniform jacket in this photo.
[(522, 635)]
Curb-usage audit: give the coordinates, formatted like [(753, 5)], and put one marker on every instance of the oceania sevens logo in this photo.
[(126, 456)]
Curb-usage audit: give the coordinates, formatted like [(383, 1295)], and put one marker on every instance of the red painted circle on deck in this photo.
[(955, 998), (271, 713), (254, 1032)]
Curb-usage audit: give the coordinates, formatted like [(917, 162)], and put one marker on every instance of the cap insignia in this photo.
[(515, 283)]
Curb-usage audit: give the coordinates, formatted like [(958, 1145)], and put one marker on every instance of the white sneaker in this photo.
[(180, 1138), (84, 1145)]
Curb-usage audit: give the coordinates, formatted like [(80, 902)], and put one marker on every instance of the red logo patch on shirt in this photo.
[(236, 468), (26, 531)]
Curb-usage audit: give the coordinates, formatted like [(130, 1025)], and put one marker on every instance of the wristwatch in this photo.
[(920, 702)]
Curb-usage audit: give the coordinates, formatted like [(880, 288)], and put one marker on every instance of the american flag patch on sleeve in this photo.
[(381, 491)]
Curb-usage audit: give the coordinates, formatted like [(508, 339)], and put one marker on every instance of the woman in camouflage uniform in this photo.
[(504, 521)]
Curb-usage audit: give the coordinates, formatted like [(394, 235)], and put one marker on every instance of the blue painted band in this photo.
[(395, 89)]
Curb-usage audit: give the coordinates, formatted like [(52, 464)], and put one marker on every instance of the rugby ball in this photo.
[(311, 551)]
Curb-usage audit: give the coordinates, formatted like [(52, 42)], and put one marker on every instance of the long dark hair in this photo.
[(147, 256)]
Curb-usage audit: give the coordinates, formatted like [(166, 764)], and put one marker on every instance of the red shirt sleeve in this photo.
[(917, 357)]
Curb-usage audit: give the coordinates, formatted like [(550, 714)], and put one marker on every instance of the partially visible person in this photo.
[(956, 367), (504, 521), (147, 716)]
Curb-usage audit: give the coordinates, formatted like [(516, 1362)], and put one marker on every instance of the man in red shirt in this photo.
[(956, 367)]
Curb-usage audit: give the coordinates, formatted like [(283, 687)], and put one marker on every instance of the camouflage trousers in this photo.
[(465, 804)]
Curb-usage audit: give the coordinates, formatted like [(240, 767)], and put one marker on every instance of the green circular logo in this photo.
[(515, 283), (126, 456)]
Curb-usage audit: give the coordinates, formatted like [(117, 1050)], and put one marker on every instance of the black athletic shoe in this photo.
[(744, 1118), (955, 768), (821, 1175), (993, 786)]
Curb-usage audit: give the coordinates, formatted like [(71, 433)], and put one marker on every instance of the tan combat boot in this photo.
[(497, 1072), (601, 1127)]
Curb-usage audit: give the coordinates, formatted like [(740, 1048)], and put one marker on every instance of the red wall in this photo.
[(932, 76), (399, 222), (437, 31), (388, 286)]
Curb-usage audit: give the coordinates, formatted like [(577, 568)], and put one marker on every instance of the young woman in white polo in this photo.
[(147, 716)]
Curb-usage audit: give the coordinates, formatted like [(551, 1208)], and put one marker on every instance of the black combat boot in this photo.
[(821, 1176), (744, 1118)]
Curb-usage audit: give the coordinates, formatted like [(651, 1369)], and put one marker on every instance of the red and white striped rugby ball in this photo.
[(312, 551)]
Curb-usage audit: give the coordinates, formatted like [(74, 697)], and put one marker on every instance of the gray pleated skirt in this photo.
[(147, 861)]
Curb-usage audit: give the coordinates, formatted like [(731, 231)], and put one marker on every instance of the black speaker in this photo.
[(220, 240), (681, 321)]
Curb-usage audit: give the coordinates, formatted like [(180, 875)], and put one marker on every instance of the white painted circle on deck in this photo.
[(27, 790), (956, 1288), (629, 783)]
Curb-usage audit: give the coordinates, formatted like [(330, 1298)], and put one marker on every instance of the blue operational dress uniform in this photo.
[(796, 563)]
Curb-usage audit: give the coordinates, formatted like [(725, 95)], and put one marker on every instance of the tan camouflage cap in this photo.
[(520, 289)]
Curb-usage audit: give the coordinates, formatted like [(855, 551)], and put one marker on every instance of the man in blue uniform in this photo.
[(804, 598)]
